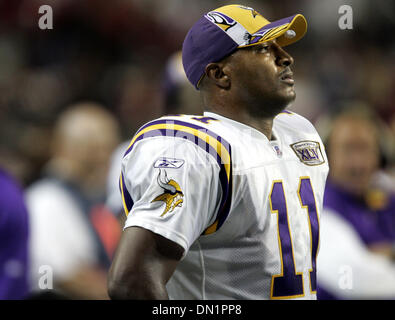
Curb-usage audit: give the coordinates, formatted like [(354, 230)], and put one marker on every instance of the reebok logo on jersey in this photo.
[(172, 195), (168, 163), (309, 152)]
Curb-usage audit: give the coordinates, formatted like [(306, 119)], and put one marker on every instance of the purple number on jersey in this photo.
[(307, 200), (289, 283)]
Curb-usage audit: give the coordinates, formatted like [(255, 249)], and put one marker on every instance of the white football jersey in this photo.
[(245, 209)]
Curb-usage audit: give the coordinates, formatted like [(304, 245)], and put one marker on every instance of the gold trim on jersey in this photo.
[(213, 142)]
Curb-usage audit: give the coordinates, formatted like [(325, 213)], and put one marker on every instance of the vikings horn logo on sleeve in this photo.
[(172, 196)]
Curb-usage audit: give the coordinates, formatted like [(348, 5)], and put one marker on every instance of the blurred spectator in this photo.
[(14, 240), (358, 222), (179, 97), (391, 166), (72, 232)]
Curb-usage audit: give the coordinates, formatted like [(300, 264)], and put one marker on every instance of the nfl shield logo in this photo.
[(278, 151)]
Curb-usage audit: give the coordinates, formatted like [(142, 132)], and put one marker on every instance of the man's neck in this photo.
[(263, 125), (232, 107)]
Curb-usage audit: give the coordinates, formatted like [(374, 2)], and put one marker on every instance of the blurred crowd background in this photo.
[(121, 56), (115, 54)]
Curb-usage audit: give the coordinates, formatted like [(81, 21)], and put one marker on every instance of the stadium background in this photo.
[(115, 52)]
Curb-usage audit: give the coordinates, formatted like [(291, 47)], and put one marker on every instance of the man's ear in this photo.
[(215, 73)]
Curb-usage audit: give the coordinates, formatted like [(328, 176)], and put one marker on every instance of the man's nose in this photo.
[(283, 58)]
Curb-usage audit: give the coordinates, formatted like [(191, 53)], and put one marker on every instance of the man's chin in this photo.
[(269, 108), (290, 96), (286, 101)]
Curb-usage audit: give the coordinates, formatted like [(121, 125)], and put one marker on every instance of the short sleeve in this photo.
[(171, 187)]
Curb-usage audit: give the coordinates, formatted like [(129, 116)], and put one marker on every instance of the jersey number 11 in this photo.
[(289, 284)]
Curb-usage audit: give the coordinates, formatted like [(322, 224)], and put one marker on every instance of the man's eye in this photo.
[(264, 48)]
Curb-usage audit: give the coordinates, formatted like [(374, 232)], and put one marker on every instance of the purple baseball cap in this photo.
[(221, 31)]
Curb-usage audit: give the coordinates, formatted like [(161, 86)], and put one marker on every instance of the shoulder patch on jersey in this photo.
[(308, 152), (165, 162), (172, 196)]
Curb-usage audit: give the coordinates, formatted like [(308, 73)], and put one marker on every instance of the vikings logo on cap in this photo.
[(221, 20), (247, 27), (172, 196)]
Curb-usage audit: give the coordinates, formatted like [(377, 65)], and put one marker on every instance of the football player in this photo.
[(225, 205)]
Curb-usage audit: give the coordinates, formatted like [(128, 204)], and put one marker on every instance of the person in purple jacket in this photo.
[(14, 231), (356, 259)]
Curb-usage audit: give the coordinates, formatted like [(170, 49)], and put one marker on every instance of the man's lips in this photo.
[(287, 77)]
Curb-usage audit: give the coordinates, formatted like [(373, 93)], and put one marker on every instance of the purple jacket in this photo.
[(374, 225), (13, 240)]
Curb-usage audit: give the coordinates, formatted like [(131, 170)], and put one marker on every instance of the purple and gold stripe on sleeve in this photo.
[(210, 142), (126, 198)]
